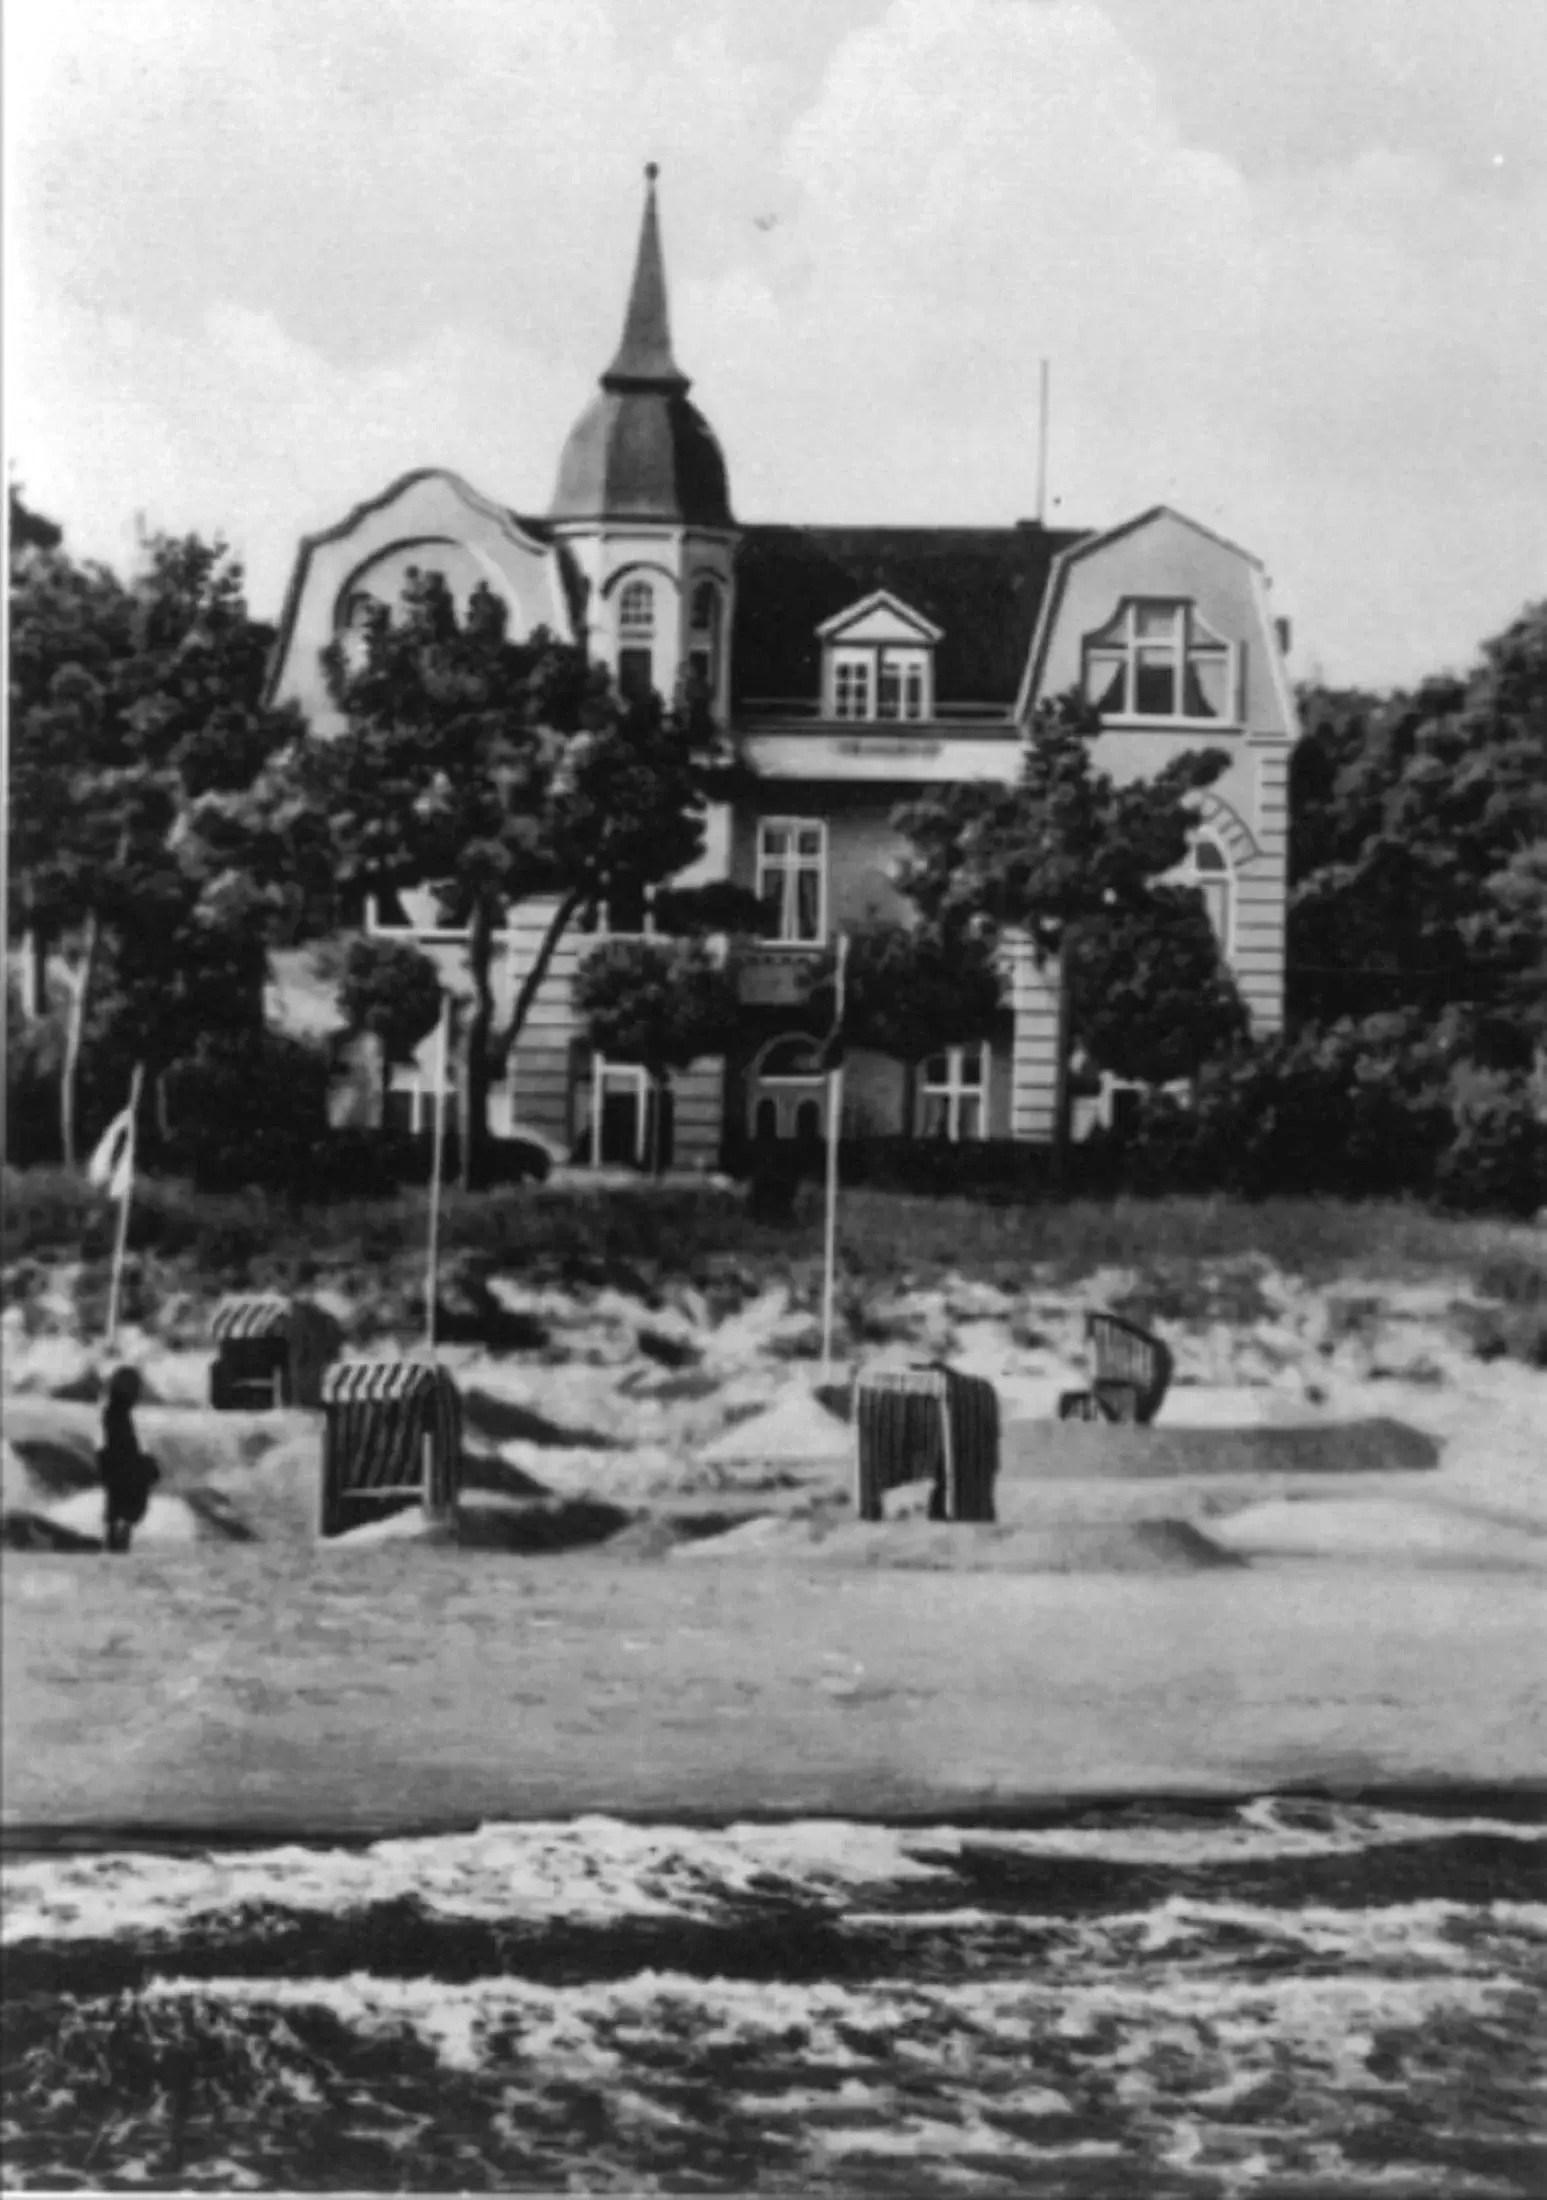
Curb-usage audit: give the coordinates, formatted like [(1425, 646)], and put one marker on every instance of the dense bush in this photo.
[(1391, 1106)]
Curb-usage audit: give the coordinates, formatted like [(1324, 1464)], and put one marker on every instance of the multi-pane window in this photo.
[(792, 879), (955, 1094), (881, 683), (1158, 660), (409, 1104), (900, 684), (851, 685), (636, 608), (1208, 868)]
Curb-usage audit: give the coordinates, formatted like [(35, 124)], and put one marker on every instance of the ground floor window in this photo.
[(410, 1103), (787, 1091), (622, 1115), (954, 1094)]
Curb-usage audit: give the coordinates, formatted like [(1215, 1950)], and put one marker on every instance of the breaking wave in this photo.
[(1287, 1997)]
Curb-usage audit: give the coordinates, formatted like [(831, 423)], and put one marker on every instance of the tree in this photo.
[(1062, 851), (1422, 846), (393, 992), (139, 734), (494, 772), (1150, 997), (909, 993), (665, 1004)]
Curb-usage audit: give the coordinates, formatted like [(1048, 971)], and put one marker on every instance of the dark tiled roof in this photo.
[(982, 586), (638, 453)]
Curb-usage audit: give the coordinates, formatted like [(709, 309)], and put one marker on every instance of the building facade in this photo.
[(853, 668)]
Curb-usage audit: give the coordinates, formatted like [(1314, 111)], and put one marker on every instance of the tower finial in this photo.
[(644, 354)]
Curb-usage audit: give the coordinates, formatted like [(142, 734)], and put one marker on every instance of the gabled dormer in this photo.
[(878, 661)]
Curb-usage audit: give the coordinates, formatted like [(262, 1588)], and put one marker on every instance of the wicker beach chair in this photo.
[(1133, 1374), (392, 1438), (926, 1423), (270, 1351)]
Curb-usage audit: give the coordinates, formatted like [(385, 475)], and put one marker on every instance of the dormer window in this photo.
[(1158, 660), (878, 662), (851, 682)]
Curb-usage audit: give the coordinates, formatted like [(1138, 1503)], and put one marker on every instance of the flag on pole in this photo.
[(111, 1166)]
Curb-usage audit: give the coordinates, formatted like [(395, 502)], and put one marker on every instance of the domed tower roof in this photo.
[(641, 450)]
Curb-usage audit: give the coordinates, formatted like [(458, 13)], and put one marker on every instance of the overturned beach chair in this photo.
[(1133, 1374), (392, 1438), (926, 1424), (270, 1351)]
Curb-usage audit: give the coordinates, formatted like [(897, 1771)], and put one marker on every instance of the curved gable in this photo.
[(1162, 554), (421, 514)]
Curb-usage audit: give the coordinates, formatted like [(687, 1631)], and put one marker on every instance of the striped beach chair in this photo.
[(392, 1438), (926, 1424), (1133, 1374), (270, 1351)]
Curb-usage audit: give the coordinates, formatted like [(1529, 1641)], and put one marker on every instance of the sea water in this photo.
[(1283, 1997)]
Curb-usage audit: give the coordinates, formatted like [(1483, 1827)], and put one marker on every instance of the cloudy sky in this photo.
[(1288, 259)]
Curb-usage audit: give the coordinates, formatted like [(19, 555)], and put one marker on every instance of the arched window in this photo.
[(785, 1089), (790, 1057), (1208, 868), (636, 608)]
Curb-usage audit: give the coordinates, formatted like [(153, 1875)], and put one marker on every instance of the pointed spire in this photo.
[(644, 354)]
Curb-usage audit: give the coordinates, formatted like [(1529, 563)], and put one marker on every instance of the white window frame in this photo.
[(420, 1085), (1211, 882), (619, 1077), (788, 1090), (955, 1089), (911, 666), (867, 664), (630, 595), (1119, 641), (854, 685), (374, 925), (790, 867)]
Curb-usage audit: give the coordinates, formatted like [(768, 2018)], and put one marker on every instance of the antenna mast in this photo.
[(1042, 412)]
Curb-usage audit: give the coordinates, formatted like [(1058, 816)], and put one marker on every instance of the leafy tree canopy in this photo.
[(908, 992), (1420, 843), (1063, 843), (1152, 999), (494, 772), (663, 1003)]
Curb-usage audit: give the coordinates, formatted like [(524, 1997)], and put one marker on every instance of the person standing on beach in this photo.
[(128, 1474)]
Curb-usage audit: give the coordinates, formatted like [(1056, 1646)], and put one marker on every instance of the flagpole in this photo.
[(834, 1120), (432, 1267), (121, 1239)]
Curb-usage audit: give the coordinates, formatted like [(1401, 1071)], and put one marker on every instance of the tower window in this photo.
[(636, 609), (704, 636)]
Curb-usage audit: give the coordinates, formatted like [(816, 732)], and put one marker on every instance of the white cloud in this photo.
[(271, 256)]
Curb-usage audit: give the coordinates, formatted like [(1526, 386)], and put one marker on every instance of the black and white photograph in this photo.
[(773, 1379)]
